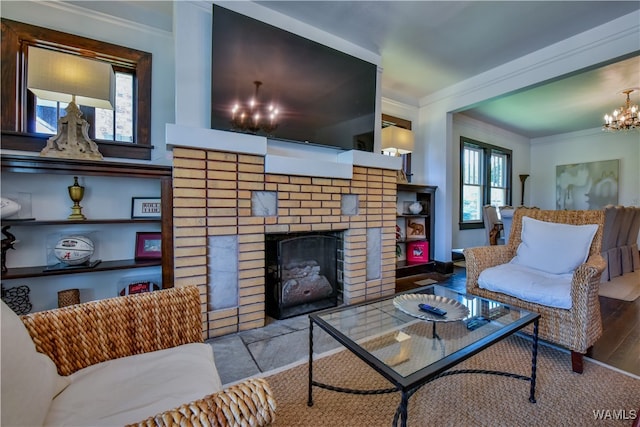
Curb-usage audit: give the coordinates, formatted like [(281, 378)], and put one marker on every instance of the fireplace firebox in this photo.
[(301, 273)]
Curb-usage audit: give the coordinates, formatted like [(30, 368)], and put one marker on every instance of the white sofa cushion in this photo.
[(553, 247), (131, 389), (528, 284), (29, 379)]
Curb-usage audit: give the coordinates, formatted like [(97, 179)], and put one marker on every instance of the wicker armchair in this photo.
[(81, 335), (576, 328)]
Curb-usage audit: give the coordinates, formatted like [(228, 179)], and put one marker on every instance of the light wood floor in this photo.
[(619, 345)]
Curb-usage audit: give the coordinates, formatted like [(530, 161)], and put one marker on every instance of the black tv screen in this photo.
[(323, 96)]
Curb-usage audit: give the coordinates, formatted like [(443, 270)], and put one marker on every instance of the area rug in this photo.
[(425, 282), (563, 397), (625, 287)]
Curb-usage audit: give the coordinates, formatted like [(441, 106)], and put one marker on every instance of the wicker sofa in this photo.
[(576, 328), (134, 360)]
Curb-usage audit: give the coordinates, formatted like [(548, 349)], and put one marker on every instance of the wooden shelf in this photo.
[(418, 239), (39, 271), (78, 222), (56, 166), (48, 165), (404, 269), (425, 194)]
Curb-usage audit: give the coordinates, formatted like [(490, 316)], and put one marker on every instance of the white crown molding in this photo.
[(569, 136), (616, 37), (83, 14), (460, 120)]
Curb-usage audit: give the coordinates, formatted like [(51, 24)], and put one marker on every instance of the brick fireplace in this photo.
[(225, 202)]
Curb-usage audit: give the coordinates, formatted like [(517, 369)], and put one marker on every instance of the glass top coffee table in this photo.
[(411, 347)]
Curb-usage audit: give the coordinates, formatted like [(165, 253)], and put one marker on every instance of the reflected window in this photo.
[(106, 125)]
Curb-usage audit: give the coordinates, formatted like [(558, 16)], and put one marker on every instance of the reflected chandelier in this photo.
[(252, 117), (623, 118)]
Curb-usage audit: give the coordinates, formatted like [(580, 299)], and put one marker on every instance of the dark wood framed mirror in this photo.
[(18, 104)]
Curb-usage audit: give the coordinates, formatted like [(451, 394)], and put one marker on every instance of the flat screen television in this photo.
[(323, 96)]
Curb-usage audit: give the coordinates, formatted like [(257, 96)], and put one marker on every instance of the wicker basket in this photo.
[(68, 297)]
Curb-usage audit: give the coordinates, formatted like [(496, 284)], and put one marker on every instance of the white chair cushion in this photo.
[(30, 379), (553, 247), (131, 389), (528, 284)]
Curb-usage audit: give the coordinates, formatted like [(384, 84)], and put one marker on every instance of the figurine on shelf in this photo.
[(7, 243), (415, 208)]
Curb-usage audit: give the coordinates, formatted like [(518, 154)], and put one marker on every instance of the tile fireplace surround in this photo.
[(227, 198)]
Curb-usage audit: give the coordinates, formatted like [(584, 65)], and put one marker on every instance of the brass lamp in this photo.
[(63, 77), (397, 141)]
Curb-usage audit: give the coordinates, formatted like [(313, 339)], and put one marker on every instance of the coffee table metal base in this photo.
[(402, 410)]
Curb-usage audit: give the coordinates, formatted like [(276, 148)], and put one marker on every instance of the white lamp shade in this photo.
[(58, 76), (397, 140)]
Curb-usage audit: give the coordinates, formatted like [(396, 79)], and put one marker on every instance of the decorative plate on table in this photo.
[(408, 303)]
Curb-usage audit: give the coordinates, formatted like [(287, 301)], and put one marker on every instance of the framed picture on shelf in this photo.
[(148, 245), (418, 251), (145, 207), (137, 284), (416, 228)]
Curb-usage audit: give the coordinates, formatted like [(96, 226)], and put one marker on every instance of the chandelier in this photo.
[(623, 118), (253, 117)]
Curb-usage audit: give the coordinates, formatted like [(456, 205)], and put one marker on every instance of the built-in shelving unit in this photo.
[(129, 171), (425, 195)]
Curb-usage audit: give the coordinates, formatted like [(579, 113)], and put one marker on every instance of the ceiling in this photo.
[(426, 46)]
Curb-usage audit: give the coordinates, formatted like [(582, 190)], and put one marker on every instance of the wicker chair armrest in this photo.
[(482, 257), (249, 403), (82, 335), (586, 281)]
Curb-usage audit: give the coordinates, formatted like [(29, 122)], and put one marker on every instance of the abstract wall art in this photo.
[(587, 186)]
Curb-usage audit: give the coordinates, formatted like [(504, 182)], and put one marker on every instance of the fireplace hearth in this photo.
[(301, 273)]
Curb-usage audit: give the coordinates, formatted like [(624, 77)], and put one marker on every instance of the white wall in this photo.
[(582, 147), (483, 132)]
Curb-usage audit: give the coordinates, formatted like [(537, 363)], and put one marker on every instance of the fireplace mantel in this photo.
[(281, 158)]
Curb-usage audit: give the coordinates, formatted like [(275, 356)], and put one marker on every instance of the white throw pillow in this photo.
[(553, 247), (30, 379)]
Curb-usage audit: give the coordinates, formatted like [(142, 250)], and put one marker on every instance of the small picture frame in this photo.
[(418, 251), (416, 228), (146, 207), (148, 245)]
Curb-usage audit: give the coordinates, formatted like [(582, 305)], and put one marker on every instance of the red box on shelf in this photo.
[(418, 251)]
